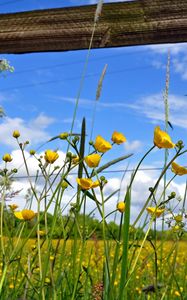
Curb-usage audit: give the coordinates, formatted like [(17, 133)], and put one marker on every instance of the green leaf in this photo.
[(112, 162)]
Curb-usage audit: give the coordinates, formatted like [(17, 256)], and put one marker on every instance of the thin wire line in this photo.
[(10, 2), (73, 78), (111, 171), (78, 62)]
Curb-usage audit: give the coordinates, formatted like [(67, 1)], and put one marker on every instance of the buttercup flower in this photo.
[(13, 206), (75, 160), (162, 139), (178, 170), (101, 144), (25, 214), (16, 134), (87, 183), (51, 156), (7, 157), (178, 218), (155, 211), (92, 160), (118, 138), (121, 206)]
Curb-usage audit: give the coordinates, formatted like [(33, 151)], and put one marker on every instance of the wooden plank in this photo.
[(121, 24)]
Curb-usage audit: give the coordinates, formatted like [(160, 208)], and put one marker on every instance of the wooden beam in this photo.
[(121, 24)]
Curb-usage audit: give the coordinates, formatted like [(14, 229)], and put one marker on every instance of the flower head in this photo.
[(178, 218), (118, 138), (155, 211), (7, 157), (87, 183), (162, 139), (51, 156), (178, 170), (13, 206), (92, 160), (25, 214), (121, 206), (16, 134), (101, 144)]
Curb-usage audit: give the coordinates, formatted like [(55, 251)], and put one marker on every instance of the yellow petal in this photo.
[(85, 183), (177, 169), (102, 145), (18, 215), (92, 160), (162, 139), (118, 138)]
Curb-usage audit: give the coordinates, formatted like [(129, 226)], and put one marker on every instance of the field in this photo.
[(23, 272)]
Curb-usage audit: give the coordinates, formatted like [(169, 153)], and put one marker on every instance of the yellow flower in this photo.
[(178, 218), (176, 293), (162, 139), (13, 206), (102, 145), (42, 232), (47, 280), (87, 183), (25, 214), (51, 156), (121, 206), (118, 138), (16, 134), (75, 160), (95, 184), (178, 170), (7, 157), (155, 211), (18, 215), (92, 160)]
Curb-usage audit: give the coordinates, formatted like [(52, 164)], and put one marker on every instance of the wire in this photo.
[(10, 2), (73, 78), (77, 62), (112, 171)]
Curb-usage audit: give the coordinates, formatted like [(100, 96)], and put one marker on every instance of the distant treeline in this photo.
[(67, 226)]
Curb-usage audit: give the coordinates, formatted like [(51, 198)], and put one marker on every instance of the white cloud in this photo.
[(152, 107), (33, 130), (135, 145), (173, 48)]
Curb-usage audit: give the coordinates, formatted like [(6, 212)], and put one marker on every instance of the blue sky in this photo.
[(39, 97)]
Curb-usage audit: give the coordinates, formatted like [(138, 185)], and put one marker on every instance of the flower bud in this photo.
[(63, 136), (16, 134), (32, 152)]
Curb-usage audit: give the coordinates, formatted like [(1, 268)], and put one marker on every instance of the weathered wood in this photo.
[(121, 24)]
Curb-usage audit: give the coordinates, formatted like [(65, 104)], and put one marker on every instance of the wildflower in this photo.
[(121, 206), (47, 280), (51, 258), (13, 206), (51, 156), (7, 157), (87, 183), (64, 185), (162, 139), (155, 211), (41, 232), (75, 159), (178, 170), (178, 218), (92, 160), (63, 136), (118, 138), (101, 144), (32, 152), (16, 134), (25, 214), (176, 293)]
